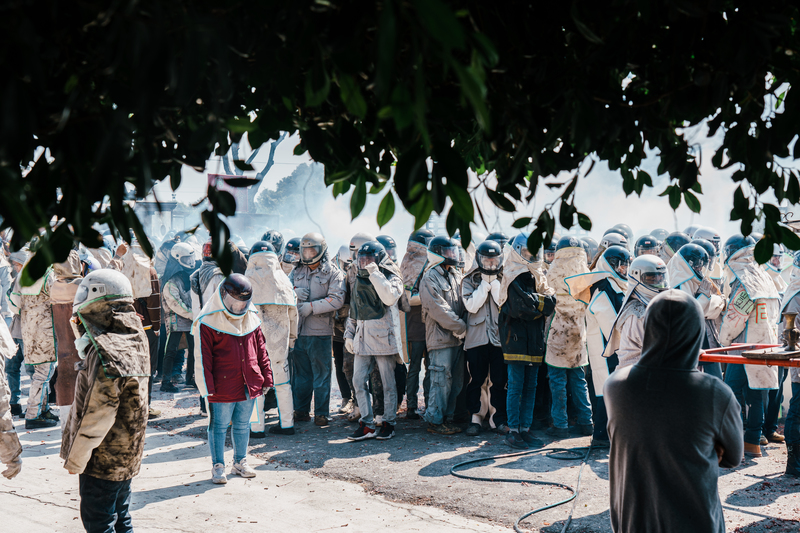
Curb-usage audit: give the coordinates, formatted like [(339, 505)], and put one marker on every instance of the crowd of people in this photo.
[(495, 337)]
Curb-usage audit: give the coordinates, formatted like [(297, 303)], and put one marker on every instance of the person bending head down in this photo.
[(671, 428)]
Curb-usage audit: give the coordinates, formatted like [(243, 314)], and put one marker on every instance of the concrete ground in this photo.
[(316, 480)]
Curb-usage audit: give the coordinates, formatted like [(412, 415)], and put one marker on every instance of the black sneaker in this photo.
[(601, 443), (16, 410), (559, 433), (167, 386), (363, 432), (386, 432), (587, 430), (50, 415), (514, 439), (257, 435), (191, 384), (277, 430), (36, 423), (530, 440), (301, 417), (474, 429), (412, 414)]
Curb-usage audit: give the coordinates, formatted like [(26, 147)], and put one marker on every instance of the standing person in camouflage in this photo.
[(10, 448)]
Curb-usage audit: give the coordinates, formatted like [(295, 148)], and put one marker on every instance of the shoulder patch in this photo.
[(742, 303)]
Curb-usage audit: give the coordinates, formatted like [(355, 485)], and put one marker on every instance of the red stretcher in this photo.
[(720, 355)]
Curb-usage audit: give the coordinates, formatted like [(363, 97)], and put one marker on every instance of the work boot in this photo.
[(16, 410), (752, 450), (257, 434), (774, 436), (270, 400), (40, 422), (277, 430), (191, 384), (474, 429), (559, 433), (153, 413), (530, 440), (443, 429), (412, 414), (515, 440), (586, 430), (301, 417), (502, 428), (167, 386), (601, 443), (793, 459), (762, 440), (321, 421), (50, 415), (347, 407)]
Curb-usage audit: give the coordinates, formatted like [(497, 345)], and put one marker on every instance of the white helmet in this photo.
[(614, 239), (184, 254), (357, 241), (709, 234), (649, 273), (343, 257), (105, 283)]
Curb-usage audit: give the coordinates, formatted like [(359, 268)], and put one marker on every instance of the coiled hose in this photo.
[(562, 454)]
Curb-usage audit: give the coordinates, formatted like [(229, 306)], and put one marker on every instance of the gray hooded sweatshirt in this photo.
[(664, 420)]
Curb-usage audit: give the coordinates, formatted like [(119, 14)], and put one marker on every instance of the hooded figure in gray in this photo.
[(671, 428)]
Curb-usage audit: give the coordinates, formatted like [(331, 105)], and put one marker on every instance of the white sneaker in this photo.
[(243, 469), (378, 420), (347, 407), (355, 415), (218, 474)]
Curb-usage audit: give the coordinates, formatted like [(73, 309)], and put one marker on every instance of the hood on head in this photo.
[(69, 269), (434, 260), (673, 332)]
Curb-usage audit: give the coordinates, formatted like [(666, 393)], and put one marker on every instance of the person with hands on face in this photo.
[(319, 286), (233, 370)]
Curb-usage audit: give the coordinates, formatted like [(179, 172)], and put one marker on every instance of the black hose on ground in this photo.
[(562, 454)]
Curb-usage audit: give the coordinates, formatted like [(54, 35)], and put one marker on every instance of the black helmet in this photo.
[(619, 259), (736, 243), (647, 244), (389, 245), (422, 236), (676, 240), (695, 256), (447, 249), (236, 293), (550, 252), (489, 257), (498, 236), (370, 252), (520, 245), (261, 246), (275, 238), (710, 249), (569, 242), (591, 248), (292, 253)]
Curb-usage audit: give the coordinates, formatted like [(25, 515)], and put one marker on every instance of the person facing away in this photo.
[(671, 428)]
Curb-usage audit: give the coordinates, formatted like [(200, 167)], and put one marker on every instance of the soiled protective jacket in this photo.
[(411, 268), (664, 420), (10, 447), (326, 294), (204, 282), (104, 436), (481, 304), (442, 307), (67, 279), (752, 315), (711, 300), (379, 337), (566, 334), (36, 318), (791, 304), (6, 283), (176, 298)]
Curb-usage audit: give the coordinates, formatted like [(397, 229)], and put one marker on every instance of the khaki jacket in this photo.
[(482, 325), (442, 308), (326, 293)]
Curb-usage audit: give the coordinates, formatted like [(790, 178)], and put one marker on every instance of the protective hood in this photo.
[(413, 262), (136, 267), (753, 278), (777, 279), (270, 285), (664, 253), (69, 269), (680, 273), (514, 265), (469, 255), (792, 289), (36, 288), (115, 330), (567, 262), (580, 285), (216, 316), (434, 260), (673, 332), (206, 272), (175, 270), (718, 272), (66, 278)]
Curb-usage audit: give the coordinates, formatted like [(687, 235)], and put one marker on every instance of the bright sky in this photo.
[(599, 195)]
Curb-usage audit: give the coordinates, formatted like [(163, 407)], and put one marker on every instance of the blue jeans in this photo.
[(792, 429), (13, 371), (219, 416), (105, 505), (575, 378), (755, 400), (521, 395), (774, 401), (447, 378), (311, 358)]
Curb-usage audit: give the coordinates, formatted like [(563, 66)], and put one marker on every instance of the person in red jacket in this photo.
[(234, 370)]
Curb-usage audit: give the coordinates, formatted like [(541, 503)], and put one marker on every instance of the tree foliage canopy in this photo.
[(129, 91)]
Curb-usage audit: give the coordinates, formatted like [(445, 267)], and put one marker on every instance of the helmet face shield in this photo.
[(776, 261), (549, 255), (187, 261), (450, 252), (234, 305), (291, 256), (364, 260), (308, 253), (655, 280), (236, 293), (491, 264)]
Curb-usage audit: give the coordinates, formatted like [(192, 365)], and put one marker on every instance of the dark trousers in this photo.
[(105, 505), (162, 346), (541, 407), (793, 417), (417, 355), (483, 361), (172, 343), (754, 400), (341, 378), (599, 413), (400, 374), (152, 342), (774, 401)]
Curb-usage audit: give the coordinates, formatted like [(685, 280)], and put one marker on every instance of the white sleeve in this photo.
[(496, 290), (389, 290), (475, 301)]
